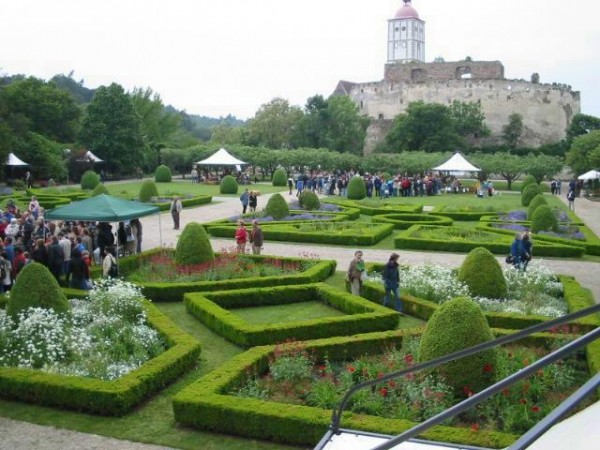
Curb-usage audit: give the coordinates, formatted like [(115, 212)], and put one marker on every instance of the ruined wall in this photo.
[(416, 72)]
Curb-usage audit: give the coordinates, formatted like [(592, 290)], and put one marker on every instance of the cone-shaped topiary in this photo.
[(482, 273), (100, 189), (455, 325), (162, 174), (35, 287), (357, 189), (279, 177), (277, 207), (537, 201), (543, 219), (89, 180), (529, 193), (229, 185), (193, 246), (309, 201), (147, 191), (529, 179)]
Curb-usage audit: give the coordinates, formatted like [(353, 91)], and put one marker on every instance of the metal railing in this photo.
[(488, 392)]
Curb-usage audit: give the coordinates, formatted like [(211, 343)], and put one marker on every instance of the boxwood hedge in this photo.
[(375, 210), (404, 221)]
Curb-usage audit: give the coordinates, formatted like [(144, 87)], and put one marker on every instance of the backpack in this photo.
[(113, 272)]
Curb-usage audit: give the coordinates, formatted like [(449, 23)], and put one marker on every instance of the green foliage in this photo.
[(46, 156), (469, 119), (193, 246), (275, 125), (277, 207), (357, 189), (89, 180), (482, 273), (147, 191), (309, 200), (511, 132), (100, 189), (581, 148), (162, 174), (36, 287), (456, 325), (229, 185), (542, 166), (543, 219), (529, 179), (279, 177), (507, 165), (537, 201), (581, 124), (346, 128), (529, 193)]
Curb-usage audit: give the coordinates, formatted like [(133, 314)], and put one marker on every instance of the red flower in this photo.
[(487, 368), (505, 392), (350, 369), (467, 391), (392, 384), (380, 374), (535, 409), (408, 359), (523, 401), (383, 391), (475, 427)]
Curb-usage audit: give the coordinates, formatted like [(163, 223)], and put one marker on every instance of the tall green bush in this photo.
[(456, 325), (277, 207), (148, 190), (357, 189), (543, 219), (482, 273), (89, 180), (537, 201), (100, 189), (229, 185), (529, 193), (279, 177), (529, 180), (162, 174), (193, 246), (36, 287), (308, 200)]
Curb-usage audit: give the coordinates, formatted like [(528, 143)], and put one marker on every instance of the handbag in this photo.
[(510, 259)]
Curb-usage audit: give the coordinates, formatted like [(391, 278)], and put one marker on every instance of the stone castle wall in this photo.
[(442, 71)]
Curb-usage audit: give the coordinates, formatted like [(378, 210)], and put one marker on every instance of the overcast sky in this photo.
[(214, 57)]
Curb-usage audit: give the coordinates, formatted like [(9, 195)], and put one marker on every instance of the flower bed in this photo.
[(404, 221), (214, 310), (375, 207), (465, 213)]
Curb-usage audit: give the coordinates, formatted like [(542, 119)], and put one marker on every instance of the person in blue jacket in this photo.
[(516, 251), (391, 281)]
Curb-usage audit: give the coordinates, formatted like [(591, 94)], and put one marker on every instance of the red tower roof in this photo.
[(407, 12)]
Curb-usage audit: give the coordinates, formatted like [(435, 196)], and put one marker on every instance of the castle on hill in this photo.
[(547, 109)]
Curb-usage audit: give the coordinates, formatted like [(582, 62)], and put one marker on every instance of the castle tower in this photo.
[(406, 36)]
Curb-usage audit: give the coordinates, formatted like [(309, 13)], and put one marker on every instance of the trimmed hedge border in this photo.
[(372, 211), (335, 217), (462, 216), (103, 397), (74, 196), (496, 218), (185, 202), (290, 233), (404, 221), (173, 292), (501, 246), (212, 309)]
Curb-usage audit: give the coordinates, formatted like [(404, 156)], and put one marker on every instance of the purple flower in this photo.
[(510, 226), (561, 216), (514, 216)]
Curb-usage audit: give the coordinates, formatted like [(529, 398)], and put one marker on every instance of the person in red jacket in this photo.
[(18, 263), (241, 237)]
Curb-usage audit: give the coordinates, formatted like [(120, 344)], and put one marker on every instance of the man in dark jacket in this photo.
[(56, 257), (256, 238), (391, 281)]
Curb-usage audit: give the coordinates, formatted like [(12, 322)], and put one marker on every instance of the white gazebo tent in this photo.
[(222, 158), (89, 156), (457, 163), (14, 160), (591, 175)]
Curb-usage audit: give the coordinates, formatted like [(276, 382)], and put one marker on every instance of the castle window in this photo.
[(380, 116), (361, 104), (463, 73)]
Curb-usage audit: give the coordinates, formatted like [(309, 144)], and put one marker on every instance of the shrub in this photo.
[(35, 287), (482, 273), (229, 185), (543, 219), (456, 325), (89, 180), (529, 193), (99, 189), (193, 246), (162, 174), (148, 190), (537, 201), (309, 200), (357, 189), (277, 207), (279, 178), (529, 180)]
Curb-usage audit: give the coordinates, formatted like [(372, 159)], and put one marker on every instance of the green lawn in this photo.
[(272, 315)]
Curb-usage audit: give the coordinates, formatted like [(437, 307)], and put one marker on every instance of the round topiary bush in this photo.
[(543, 219), (537, 201), (229, 185), (455, 325), (193, 246), (308, 200), (357, 189), (529, 180), (482, 273), (162, 174), (279, 178), (100, 189), (277, 207), (147, 191), (35, 287), (89, 180), (529, 193)]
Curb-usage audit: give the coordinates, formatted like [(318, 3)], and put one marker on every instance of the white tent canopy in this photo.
[(221, 158), (457, 163), (591, 175), (89, 156), (13, 160)]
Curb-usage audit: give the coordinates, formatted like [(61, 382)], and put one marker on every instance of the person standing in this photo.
[(290, 184), (176, 208), (391, 281), (527, 249), (29, 180), (571, 199), (356, 271), (65, 244), (253, 201), (256, 237), (108, 263), (245, 199), (56, 258), (516, 251), (78, 271), (5, 271), (241, 237)]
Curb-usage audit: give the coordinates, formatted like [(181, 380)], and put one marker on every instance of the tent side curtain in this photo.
[(102, 208)]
